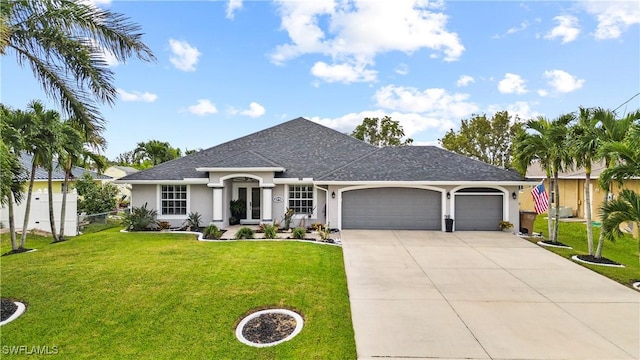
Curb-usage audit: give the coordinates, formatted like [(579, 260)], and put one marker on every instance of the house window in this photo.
[(174, 199), (301, 199)]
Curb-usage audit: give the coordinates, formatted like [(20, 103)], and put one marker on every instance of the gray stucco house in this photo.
[(329, 177)]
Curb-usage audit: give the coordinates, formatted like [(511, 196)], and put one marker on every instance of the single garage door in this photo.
[(478, 212), (391, 208)]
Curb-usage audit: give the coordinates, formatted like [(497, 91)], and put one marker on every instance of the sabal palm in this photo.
[(544, 141), (584, 142), (64, 42)]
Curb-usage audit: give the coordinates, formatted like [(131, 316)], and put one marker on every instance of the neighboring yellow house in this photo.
[(40, 183), (116, 172), (571, 186)]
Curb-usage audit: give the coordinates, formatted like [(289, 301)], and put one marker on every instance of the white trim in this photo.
[(186, 181), (443, 193), (159, 203), (244, 169), (326, 203), (293, 181), (506, 196), (235, 175), (427, 183)]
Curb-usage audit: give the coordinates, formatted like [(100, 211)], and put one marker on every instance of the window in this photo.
[(174, 199), (301, 199)]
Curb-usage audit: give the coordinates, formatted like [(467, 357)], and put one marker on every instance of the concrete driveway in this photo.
[(481, 295)]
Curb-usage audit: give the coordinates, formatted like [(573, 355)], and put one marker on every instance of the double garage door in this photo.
[(392, 208)]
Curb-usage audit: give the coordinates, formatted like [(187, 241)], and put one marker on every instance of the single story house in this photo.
[(572, 191), (117, 172), (325, 176)]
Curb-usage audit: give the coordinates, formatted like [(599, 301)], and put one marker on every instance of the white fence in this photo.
[(39, 214)]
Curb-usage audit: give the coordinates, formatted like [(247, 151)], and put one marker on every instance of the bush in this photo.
[(299, 233), (212, 232), (324, 232), (244, 233), (270, 231), (193, 221), (163, 225), (94, 198), (140, 218)]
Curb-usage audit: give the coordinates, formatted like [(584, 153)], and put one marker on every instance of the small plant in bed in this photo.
[(140, 219), (244, 233), (192, 223), (212, 232), (270, 231), (299, 233)]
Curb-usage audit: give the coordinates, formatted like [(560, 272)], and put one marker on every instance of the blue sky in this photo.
[(230, 68)]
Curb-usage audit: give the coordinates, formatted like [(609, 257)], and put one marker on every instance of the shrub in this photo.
[(212, 232), (299, 233), (193, 221), (317, 226), (324, 232), (140, 218), (270, 231), (288, 216), (244, 233), (94, 198)]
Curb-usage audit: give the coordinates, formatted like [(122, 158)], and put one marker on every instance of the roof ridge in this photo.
[(273, 162), (470, 158), (377, 149)]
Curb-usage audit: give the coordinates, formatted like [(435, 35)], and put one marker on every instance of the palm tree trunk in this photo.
[(598, 253), (556, 188), (549, 219), (27, 210), (65, 190), (587, 210), (52, 220), (12, 222)]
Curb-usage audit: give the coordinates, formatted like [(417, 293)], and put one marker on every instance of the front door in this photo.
[(251, 196)]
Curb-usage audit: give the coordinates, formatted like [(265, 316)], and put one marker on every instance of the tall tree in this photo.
[(584, 141), (12, 173), (545, 141), (155, 151), (71, 145), (64, 43), (614, 131), (487, 140), (381, 132)]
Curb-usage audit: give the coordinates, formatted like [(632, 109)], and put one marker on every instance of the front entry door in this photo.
[(251, 197)]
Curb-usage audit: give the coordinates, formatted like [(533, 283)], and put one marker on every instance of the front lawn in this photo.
[(624, 250), (166, 296)]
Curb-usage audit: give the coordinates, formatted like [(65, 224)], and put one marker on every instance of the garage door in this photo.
[(478, 212), (391, 208)]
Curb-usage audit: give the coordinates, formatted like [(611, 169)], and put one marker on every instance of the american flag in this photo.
[(540, 198)]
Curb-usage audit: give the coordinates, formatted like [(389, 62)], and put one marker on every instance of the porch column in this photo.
[(267, 202), (217, 206)]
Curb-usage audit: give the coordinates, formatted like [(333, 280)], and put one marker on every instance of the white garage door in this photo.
[(392, 208), (478, 212)]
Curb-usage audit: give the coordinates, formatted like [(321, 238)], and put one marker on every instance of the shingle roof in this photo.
[(127, 169), (418, 163), (307, 149), (537, 172), (57, 174)]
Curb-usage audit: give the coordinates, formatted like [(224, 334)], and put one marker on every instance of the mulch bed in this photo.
[(7, 308), (269, 328), (601, 260), (554, 243)]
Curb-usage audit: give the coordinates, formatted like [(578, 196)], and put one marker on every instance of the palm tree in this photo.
[(64, 42), (615, 212), (155, 151), (544, 141), (584, 141), (614, 132), (12, 173)]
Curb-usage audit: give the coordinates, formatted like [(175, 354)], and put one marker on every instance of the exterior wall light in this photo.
[(333, 194), (448, 195), (514, 195)]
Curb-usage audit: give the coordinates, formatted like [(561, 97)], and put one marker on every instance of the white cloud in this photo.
[(232, 6), (96, 3), (562, 81), (464, 80), (136, 96), (512, 84), (521, 109), (433, 101), (523, 26), (255, 110), (350, 37), (344, 73), (567, 29), (106, 55), (185, 57), (613, 17), (402, 69), (203, 107), (543, 92)]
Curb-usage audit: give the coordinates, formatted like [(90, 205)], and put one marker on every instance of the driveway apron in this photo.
[(481, 295)]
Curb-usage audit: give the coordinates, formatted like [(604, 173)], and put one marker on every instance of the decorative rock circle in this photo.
[(269, 327), (636, 285), (20, 308)]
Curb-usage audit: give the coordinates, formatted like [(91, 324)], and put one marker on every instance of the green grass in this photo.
[(167, 296), (623, 250)]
